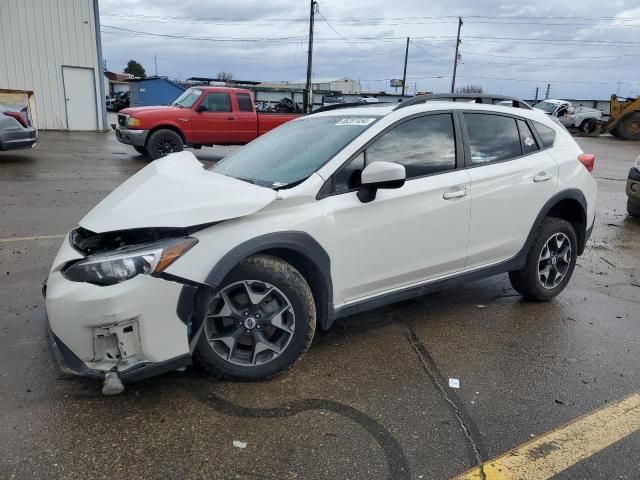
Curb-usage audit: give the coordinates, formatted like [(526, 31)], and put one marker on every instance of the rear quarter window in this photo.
[(547, 135)]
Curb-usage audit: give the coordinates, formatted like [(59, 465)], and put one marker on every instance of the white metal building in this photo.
[(341, 85), (53, 49)]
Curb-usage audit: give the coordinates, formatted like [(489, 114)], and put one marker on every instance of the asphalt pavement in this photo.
[(371, 399)]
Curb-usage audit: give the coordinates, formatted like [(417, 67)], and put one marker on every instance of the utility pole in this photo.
[(308, 93), (548, 88), (155, 60), (404, 75), (455, 59), (537, 88)]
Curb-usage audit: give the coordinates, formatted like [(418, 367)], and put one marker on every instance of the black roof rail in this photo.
[(337, 106), (465, 97)]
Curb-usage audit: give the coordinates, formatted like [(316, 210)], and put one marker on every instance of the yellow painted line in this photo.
[(26, 239), (559, 449)]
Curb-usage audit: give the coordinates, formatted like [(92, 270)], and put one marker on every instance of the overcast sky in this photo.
[(586, 49)]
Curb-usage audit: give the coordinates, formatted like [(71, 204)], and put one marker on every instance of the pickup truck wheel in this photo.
[(550, 261), (259, 323), (141, 151), (163, 142), (589, 125), (633, 209)]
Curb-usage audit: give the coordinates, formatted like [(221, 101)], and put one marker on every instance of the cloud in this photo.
[(506, 46)]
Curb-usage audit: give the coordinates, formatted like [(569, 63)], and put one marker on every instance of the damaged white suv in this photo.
[(337, 212)]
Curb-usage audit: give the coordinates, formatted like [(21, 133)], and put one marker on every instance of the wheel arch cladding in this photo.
[(296, 248), (569, 205)]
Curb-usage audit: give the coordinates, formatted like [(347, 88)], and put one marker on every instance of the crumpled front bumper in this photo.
[(131, 328)]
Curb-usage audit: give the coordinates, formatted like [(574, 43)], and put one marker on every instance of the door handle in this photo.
[(542, 177), (231, 118), (455, 194)]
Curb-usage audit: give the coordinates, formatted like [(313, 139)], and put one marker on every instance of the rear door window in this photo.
[(492, 138), (547, 134), (527, 138), (244, 102)]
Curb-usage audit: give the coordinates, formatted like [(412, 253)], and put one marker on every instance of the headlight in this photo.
[(637, 163), (133, 122), (124, 264)]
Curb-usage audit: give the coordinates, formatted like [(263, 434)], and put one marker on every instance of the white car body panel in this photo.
[(175, 191), (499, 224), (418, 220)]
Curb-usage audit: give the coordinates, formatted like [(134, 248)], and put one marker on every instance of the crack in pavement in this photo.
[(467, 425)]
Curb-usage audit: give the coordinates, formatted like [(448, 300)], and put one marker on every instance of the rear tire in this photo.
[(163, 142), (259, 323), (141, 151), (633, 209), (629, 127), (550, 261)]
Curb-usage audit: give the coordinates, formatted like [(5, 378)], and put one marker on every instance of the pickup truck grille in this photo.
[(122, 120)]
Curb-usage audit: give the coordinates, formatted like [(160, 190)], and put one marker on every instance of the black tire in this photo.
[(302, 317), (614, 132), (141, 151), (528, 281), (589, 125), (629, 127), (163, 142), (633, 209)]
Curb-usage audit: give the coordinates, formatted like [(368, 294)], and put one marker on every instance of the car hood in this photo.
[(137, 111), (176, 191)]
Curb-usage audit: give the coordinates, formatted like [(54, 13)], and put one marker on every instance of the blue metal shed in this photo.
[(153, 91)]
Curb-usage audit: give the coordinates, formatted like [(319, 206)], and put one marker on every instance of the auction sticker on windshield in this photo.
[(356, 121)]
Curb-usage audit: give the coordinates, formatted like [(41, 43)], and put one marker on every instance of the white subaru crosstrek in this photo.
[(333, 213)]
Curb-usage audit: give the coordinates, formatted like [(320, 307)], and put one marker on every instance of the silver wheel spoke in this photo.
[(546, 254), (229, 340), (261, 344), (278, 321), (256, 298)]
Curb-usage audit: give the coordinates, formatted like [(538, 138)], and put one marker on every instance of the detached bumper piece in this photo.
[(71, 364)]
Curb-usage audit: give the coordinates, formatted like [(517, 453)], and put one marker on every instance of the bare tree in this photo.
[(225, 76), (470, 89)]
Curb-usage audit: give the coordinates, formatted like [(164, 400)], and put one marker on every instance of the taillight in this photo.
[(588, 160), (18, 116)]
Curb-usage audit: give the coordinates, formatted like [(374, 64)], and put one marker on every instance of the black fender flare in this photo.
[(195, 299), (568, 194)]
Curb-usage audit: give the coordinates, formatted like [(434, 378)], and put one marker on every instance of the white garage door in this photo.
[(80, 97)]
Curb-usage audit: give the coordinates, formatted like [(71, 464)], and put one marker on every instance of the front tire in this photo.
[(141, 150), (163, 142), (259, 323), (550, 261), (633, 209)]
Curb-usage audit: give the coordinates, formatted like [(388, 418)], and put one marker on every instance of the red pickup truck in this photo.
[(200, 116)]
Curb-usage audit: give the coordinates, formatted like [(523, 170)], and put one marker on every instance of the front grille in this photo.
[(122, 120)]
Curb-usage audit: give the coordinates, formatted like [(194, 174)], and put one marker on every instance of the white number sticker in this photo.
[(356, 121)]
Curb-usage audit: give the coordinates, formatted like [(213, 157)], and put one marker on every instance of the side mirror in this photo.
[(201, 108), (380, 175)]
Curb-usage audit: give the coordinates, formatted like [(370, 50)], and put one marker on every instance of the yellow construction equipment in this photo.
[(625, 118)]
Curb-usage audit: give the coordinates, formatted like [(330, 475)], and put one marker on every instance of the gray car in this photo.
[(16, 129)]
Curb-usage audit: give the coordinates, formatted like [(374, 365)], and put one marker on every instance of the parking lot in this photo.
[(371, 399)]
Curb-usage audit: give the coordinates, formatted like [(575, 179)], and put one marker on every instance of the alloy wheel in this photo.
[(249, 323), (554, 260), (166, 145)]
